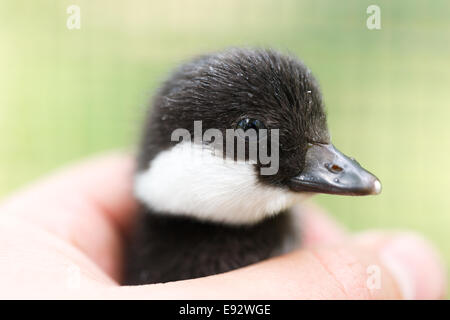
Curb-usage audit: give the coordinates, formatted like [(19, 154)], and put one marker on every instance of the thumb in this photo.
[(370, 265), (411, 263)]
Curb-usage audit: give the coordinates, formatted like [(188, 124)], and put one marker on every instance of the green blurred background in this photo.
[(66, 94)]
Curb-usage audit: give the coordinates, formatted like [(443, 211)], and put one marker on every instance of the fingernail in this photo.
[(416, 267)]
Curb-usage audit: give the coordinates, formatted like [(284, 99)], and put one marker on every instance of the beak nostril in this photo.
[(333, 167)]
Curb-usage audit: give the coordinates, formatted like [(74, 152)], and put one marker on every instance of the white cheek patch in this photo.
[(189, 180)]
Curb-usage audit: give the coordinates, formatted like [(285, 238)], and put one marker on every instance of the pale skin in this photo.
[(62, 237)]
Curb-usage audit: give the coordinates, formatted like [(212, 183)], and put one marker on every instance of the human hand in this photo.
[(63, 237)]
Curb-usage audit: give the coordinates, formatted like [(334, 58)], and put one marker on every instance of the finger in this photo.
[(386, 267), (412, 261), (87, 204), (105, 181), (317, 227)]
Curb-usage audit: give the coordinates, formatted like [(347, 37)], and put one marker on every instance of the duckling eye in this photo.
[(247, 123)]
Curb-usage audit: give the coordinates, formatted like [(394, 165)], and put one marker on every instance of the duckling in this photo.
[(204, 210)]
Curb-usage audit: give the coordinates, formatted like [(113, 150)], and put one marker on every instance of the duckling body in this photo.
[(178, 248), (205, 212)]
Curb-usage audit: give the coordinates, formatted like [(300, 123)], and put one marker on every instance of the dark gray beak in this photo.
[(327, 170)]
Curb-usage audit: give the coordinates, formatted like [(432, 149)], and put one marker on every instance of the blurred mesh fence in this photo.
[(66, 94)]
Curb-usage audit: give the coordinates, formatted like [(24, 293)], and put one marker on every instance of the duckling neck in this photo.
[(189, 180)]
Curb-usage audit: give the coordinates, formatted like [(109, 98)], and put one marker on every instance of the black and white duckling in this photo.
[(206, 209)]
